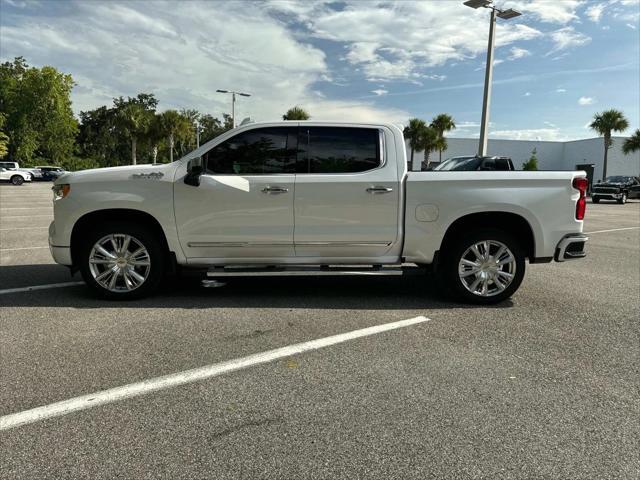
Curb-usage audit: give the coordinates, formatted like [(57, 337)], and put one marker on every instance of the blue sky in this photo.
[(557, 65)]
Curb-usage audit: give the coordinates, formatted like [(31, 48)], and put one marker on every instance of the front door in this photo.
[(243, 208), (346, 196)]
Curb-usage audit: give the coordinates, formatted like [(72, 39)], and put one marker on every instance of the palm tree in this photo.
[(174, 126), (604, 123), (429, 142), (414, 133), (134, 120), (632, 144), (442, 123), (296, 113)]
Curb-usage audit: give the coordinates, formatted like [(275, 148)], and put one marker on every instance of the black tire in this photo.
[(623, 200), (595, 200), (17, 180), (146, 237), (448, 269)]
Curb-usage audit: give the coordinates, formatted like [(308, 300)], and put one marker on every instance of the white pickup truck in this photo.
[(299, 198)]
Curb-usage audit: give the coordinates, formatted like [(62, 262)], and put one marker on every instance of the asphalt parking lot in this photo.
[(542, 386)]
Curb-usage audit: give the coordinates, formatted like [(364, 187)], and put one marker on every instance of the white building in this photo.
[(551, 155)]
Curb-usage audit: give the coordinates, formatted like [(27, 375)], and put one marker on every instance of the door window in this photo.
[(254, 152), (338, 149)]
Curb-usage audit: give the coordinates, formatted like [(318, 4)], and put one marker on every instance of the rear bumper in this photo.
[(571, 247)]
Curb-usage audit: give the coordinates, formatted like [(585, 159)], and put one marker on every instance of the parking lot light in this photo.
[(488, 78)]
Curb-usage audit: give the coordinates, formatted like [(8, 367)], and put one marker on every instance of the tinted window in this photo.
[(338, 150), (258, 151)]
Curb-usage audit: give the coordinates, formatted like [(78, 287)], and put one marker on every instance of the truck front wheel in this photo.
[(484, 267), (122, 261)]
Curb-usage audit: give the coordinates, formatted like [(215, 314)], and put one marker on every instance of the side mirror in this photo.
[(195, 169)]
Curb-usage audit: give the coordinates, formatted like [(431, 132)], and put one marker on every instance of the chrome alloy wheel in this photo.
[(119, 262), (487, 268)]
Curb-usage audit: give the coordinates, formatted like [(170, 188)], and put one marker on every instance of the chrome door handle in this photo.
[(274, 190), (379, 190)]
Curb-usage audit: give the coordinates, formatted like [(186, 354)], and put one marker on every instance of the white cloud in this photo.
[(380, 91), (567, 37), (558, 11), (594, 12), (632, 27), (561, 90), (586, 101), (182, 53), (527, 94), (406, 40), (517, 53)]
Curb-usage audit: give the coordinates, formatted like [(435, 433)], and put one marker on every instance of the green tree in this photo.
[(604, 123), (134, 121), (428, 143), (4, 138), (414, 133), (532, 163), (98, 138), (37, 106), (442, 123), (296, 113), (632, 144), (175, 127), (211, 127)]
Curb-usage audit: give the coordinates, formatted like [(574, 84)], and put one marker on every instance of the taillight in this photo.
[(581, 184)]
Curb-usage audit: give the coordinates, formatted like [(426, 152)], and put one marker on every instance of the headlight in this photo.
[(60, 191)]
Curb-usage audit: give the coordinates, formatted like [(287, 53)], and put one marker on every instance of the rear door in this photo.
[(347, 193), (243, 207)]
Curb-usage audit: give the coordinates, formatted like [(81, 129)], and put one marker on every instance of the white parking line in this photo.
[(173, 380), (612, 230), (22, 228), (40, 287), (25, 216), (20, 248)]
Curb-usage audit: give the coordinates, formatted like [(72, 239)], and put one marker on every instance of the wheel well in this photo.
[(509, 222), (89, 220)]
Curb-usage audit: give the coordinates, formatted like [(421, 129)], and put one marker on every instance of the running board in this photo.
[(240, 271)]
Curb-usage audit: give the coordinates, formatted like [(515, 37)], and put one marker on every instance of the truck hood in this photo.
[(128, 172)]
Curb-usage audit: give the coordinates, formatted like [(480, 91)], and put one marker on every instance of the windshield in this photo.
[(618, 179), (460, 163)]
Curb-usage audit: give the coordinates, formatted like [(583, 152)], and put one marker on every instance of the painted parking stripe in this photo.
[(40, 287), (22, 228), (613, 230), (189, 376), (26, 216), (20, 248)]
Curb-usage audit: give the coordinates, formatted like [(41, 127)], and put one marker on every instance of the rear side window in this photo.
[(254, 152), (338, 149)]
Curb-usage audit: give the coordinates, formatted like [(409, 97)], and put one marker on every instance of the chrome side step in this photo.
[(276, 271)]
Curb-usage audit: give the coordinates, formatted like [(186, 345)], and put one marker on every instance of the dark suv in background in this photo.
[(616, 187)]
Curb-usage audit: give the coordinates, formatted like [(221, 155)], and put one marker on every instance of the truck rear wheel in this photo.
[(484, 267), (122, 261)]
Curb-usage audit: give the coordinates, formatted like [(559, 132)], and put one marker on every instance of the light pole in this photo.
[(233, 103), (488, 76)]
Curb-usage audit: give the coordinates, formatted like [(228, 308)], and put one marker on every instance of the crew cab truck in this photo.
[(313, 198)]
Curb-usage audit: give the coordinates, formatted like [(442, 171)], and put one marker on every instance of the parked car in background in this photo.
[(475, 163), (618, 188), (36, 174), (16, 177), (51, 172)]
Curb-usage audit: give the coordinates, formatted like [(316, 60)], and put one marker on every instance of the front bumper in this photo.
[(571, 247), (60, 254), (607, 196)]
